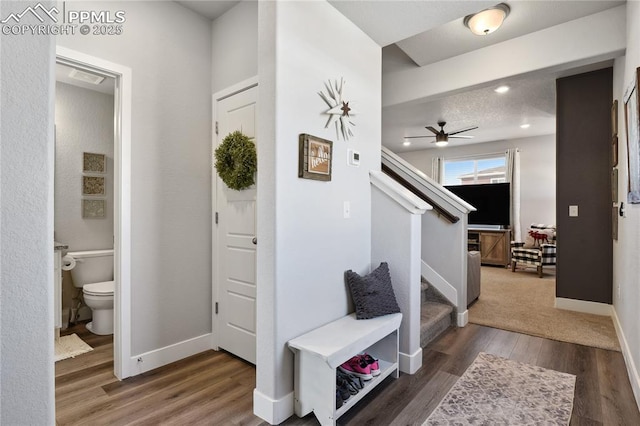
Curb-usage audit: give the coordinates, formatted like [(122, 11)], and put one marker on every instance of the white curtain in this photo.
[(513, 177), (436, 168)]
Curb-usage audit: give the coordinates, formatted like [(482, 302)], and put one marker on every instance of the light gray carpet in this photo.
[(498, 391), (520, 301)]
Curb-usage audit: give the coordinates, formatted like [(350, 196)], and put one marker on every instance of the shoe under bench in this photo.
[(319, 352)]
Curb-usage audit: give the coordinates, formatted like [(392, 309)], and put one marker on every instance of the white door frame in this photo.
[(122, 199), (215, 285)]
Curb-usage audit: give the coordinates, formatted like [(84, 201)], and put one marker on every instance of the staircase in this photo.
[(436, 314)]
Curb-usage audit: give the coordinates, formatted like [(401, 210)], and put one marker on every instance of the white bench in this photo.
[(319, 352)]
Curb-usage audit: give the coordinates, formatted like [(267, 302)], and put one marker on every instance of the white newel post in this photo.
[(396, 239)]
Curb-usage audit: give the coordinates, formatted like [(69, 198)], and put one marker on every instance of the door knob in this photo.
[(255, 240)]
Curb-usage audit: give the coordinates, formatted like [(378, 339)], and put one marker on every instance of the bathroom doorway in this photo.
[(95, 205)]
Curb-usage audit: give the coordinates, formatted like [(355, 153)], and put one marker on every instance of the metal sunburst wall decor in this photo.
[(340, 112)]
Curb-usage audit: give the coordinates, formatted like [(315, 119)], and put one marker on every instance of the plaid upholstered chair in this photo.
[(538, 249)]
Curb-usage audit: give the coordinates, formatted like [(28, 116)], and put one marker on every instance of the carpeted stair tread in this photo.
[(434, 319), (431, 294)]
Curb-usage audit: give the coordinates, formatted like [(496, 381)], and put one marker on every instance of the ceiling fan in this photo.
[(442, 138)]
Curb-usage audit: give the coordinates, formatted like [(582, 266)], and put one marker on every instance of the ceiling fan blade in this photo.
[(463, 130), (419, 137), (430, 128), (460, 137)]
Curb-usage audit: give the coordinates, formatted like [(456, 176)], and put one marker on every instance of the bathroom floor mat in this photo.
[(70, 346)]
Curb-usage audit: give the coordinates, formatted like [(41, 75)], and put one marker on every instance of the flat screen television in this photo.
[(491, 200)]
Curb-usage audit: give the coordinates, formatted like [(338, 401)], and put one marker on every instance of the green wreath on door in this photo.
[(236, 161)]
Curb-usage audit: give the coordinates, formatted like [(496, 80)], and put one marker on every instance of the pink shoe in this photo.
[(372, 363), (357, 367)]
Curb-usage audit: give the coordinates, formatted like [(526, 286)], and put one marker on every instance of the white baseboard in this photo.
[(410, 363), (462, 319), (270, 410), (139, 364), (587, 307), (632, 371)]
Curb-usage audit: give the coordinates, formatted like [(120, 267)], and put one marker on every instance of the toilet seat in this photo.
[(105, 288)]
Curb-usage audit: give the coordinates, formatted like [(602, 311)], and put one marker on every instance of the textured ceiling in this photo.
[(388, 22), (530, 101), (210, 9), (453, 38)]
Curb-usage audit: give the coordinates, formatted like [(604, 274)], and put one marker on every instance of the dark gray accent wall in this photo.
[(583, 143)]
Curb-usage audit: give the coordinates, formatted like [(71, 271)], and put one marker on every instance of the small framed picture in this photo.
[(614, 185), (614, 118), (614, 151), (93, 209), (93, 185), (315, 157), (632, 124), (94, 163)]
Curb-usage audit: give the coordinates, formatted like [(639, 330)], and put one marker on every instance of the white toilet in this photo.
[(93, 273)]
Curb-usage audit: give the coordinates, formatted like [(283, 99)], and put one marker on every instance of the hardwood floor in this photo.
[(215, 388)]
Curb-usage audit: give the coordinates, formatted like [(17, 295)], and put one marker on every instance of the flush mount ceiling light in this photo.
[(501, 89), (488, 20), (525, 126), (406, 143)]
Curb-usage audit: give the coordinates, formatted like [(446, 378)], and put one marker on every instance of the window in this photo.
[(473, 171)]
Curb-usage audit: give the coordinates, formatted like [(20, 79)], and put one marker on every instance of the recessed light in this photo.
[(525, 126), (406, 143), (501, 89)]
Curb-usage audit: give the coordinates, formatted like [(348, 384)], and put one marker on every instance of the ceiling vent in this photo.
[(86, 77)]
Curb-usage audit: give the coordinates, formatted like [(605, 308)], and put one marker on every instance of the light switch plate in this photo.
[(573, 211), (353, 158), (347, 209)]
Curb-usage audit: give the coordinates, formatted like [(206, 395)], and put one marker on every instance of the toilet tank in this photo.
[(92, 266)]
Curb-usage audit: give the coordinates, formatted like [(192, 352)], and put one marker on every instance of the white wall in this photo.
[(396, 235), (305, 243), (537, 172), (626, 269), (234, 46), (84, 123), (168, 49), (26, 227)]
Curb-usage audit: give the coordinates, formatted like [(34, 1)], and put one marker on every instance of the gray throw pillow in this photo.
[(372, 294)]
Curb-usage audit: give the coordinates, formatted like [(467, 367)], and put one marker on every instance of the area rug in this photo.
[(521, 301), (498, 391), (70, 346)]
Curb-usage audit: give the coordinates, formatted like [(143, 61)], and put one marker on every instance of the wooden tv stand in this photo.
[(494, 245)]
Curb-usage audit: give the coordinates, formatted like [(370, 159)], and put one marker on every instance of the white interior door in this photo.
[(236, 243)]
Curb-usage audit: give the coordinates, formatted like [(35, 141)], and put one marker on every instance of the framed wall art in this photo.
[(315, 157), (94, 163), (93, 209), (93, 185), (614, 185), (633, 140), (614, 151), (614, 118)]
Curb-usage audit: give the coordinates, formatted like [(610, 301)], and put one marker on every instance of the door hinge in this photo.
[(216, 218), (216, 308), (216, 127)]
